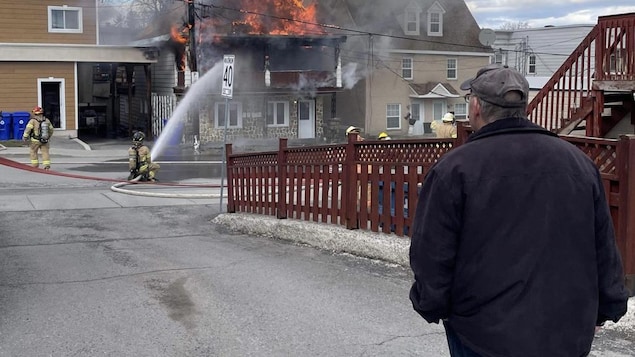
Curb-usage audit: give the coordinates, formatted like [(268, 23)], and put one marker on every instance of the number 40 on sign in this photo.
[(228, 76)]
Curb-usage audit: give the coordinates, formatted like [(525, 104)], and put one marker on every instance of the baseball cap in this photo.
[(494, 81)]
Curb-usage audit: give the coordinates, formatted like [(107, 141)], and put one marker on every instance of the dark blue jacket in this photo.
[(514, 245)]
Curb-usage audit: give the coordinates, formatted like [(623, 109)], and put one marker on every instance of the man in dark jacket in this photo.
[(513, 245)]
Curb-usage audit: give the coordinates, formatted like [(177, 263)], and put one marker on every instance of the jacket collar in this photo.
[(509, 125)]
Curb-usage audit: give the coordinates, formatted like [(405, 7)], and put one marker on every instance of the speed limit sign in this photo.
[(228, 76)]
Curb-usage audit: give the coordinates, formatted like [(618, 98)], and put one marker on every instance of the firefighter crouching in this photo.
[(139, 160), (37, 133)]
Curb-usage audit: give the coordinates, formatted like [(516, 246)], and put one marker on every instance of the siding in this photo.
[(164, 74), (551, 45), (26, 21), (19, 89)]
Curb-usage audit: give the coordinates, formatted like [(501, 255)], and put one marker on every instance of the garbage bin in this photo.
[(392, 202), (20, 120), (5, 126)]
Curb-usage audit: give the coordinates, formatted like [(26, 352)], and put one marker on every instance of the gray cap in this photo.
[(494, 81)]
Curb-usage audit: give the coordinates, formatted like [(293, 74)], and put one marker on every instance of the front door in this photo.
[(306, 119), (51, 99)]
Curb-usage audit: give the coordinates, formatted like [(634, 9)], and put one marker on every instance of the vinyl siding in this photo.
[(26, 21), (19, 88)]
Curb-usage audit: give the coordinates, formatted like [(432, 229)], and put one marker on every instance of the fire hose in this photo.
[(119, 184)]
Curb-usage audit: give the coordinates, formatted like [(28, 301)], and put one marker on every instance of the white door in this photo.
[(306, 119)]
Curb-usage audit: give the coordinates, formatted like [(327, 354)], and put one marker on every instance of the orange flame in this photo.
[(273, 17), (179, 35), (179, 39)]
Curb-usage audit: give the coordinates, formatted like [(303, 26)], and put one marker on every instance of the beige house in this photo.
[(50, 56), (416, 54)]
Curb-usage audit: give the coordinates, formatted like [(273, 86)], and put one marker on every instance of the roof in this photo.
[(433, 90), (460, 29)]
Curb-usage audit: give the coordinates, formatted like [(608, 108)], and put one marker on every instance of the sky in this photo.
[(539, 13)]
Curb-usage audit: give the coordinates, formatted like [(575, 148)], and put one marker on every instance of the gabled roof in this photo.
[(386, 17), (433, 90)]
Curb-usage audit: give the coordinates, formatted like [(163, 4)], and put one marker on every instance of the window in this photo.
[(438, 110), (415, 111), (451, 68), (412, 22), (393, 116), (435, 23), (65, 19), (531, 64), (406, 68), (498, 57), (278, 114), (460, 111), (235, 115)]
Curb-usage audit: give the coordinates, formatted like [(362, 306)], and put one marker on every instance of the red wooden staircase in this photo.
[(594, 88)]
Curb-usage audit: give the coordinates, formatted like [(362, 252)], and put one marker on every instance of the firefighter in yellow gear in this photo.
[(139, 160), (447, 128), (37, 133)]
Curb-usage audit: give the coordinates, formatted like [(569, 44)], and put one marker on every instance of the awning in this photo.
[(433, 90), (17, 52)]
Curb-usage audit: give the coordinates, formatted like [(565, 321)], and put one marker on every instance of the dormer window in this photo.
[(412, 19), (435, 20)]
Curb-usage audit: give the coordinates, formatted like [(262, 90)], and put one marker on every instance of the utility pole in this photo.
[(191, 15)]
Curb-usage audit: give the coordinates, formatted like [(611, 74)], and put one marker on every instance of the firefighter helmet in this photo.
[(448, 117), (383, 136), (137, 138), (37, 110), (353, 130)]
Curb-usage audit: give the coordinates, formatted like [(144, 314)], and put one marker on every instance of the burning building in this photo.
[(287, 70)]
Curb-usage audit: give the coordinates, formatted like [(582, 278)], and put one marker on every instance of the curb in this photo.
[(381, 246)]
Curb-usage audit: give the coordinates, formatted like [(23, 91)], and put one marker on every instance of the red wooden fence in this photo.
[(373, 185)]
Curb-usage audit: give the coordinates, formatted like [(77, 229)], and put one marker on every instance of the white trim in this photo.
[(97, 22), (76, 90), (411, 69), (71, 53), (80, 20), (398, 117), (275, 109), (411, 9), (239, 115), (444, 53), (62, 84), (455, 69)]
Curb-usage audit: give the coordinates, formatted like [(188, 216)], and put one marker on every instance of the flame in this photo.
[(272, 17), (180, 35), (179, 38)]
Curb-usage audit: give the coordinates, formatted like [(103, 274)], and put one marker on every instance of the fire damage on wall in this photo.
[(285, 62)]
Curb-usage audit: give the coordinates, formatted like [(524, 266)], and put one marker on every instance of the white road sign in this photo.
[(228, 76)]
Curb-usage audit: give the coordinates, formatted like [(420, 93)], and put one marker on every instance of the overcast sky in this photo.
[(538, 13)]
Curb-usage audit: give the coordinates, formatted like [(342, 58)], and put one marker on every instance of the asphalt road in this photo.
[(160, 279)]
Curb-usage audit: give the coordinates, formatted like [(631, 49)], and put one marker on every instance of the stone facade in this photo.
[(254, 125)]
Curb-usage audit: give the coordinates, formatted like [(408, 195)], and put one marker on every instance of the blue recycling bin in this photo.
[(392, 201), (392, 198), (20, 120), (5, 126)]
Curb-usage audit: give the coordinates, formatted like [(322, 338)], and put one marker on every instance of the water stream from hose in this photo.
[(207, 85)]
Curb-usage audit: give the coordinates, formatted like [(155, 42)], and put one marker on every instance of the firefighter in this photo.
[(355, 130), (383, 136), (37, 134), (447, 128), (139, 160)]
